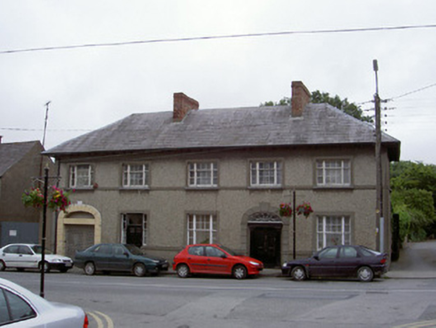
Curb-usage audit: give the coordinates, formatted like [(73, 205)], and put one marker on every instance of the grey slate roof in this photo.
[(11, 153), (321, 124)]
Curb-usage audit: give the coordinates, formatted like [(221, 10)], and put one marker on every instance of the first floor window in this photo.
[(201, 229), (203, 174), (267, 173), (134, 229), (333, 173), (135, 175), (333, 230), (81, 176)]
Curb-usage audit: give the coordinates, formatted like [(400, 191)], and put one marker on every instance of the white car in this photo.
[(28, 256), (20, 308)]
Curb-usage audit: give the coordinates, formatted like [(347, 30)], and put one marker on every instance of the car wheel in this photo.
[(182, 270), (46, 267), (2, 266), (139, 270), (89, 268), (298, 273), (365, 274), (240, 272)]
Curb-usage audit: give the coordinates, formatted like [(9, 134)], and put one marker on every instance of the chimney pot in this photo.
[(300, 98), (182, 105)]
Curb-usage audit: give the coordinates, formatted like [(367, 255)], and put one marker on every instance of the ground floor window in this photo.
[(202, 229), (134, 229), (333, 230)]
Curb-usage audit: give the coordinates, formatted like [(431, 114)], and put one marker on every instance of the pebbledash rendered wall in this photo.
[(168, 199)]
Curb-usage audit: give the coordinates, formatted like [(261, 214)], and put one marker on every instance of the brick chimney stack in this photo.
[(300, 98), (182, 105)]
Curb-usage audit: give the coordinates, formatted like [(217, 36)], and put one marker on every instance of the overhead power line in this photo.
[(52, 130), (412, 92), (231, 36)]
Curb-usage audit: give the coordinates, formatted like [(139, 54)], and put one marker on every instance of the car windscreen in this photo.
[(38, 250), (134, 250), (228, 250)]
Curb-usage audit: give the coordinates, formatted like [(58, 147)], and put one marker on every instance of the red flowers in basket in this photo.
[(304, 209), (285, 209)]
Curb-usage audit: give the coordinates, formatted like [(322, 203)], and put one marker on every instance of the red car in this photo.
[(214, 259)]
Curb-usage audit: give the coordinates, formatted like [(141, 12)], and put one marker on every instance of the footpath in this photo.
[(417, 261)]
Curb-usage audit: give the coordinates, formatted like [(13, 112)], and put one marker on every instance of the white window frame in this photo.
[(196, 169), (128, 172), (341, 174), (324, 234), (197, 223), (74, 178), (124, 224), (256, 173)]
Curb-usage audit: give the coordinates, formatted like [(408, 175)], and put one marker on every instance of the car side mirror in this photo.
[(126, 254), (316, 257), (224, 256)]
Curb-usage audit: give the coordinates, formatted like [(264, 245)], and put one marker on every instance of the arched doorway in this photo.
[(265, 238), (78, 228)]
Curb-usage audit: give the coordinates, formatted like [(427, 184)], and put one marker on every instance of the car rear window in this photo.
[(368, 252)]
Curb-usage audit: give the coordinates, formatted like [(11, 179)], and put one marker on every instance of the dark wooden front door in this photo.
[(134, 235), (265, 245)]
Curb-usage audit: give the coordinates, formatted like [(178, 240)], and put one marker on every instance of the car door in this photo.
[(27, 258), (102, 257), (324, 263), (197, 259), (120, 260), (348, 261), (217, 261), (11, 257)]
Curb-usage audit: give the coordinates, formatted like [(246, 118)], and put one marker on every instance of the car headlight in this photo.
[(155, 261), (285, 264), (56, 260), (254, 263)]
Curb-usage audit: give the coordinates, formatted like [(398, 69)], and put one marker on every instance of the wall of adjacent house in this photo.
[(168, 200), (15, 181)]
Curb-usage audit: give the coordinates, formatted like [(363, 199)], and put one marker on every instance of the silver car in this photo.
[(28, 256), (20, 308)]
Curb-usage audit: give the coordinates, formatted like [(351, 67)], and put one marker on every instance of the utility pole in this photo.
[(45, 122), (379, 177)]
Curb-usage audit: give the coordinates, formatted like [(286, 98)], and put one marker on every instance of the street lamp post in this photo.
[(44, 223), (294, 225)]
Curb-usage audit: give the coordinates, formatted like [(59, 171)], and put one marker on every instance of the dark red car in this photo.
[(214, 259), (339, 261)]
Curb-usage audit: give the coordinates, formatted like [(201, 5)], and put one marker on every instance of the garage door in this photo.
[(78, 237)]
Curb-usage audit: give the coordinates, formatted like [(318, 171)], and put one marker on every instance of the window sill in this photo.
[(134, 189), (91, 188), (199, 188), (265, 187), (350, 187)]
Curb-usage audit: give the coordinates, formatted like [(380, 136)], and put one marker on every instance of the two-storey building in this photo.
[(164, 180)]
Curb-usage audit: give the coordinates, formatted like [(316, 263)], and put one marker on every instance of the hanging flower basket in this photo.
[(304, 209), (56, 200), (59, 199), (285, 209), (33, 197)]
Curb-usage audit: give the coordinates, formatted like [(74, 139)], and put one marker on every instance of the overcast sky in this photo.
[(94, 86)]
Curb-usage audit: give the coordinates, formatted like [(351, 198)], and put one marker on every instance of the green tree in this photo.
[(319, 97), (414, 199)]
